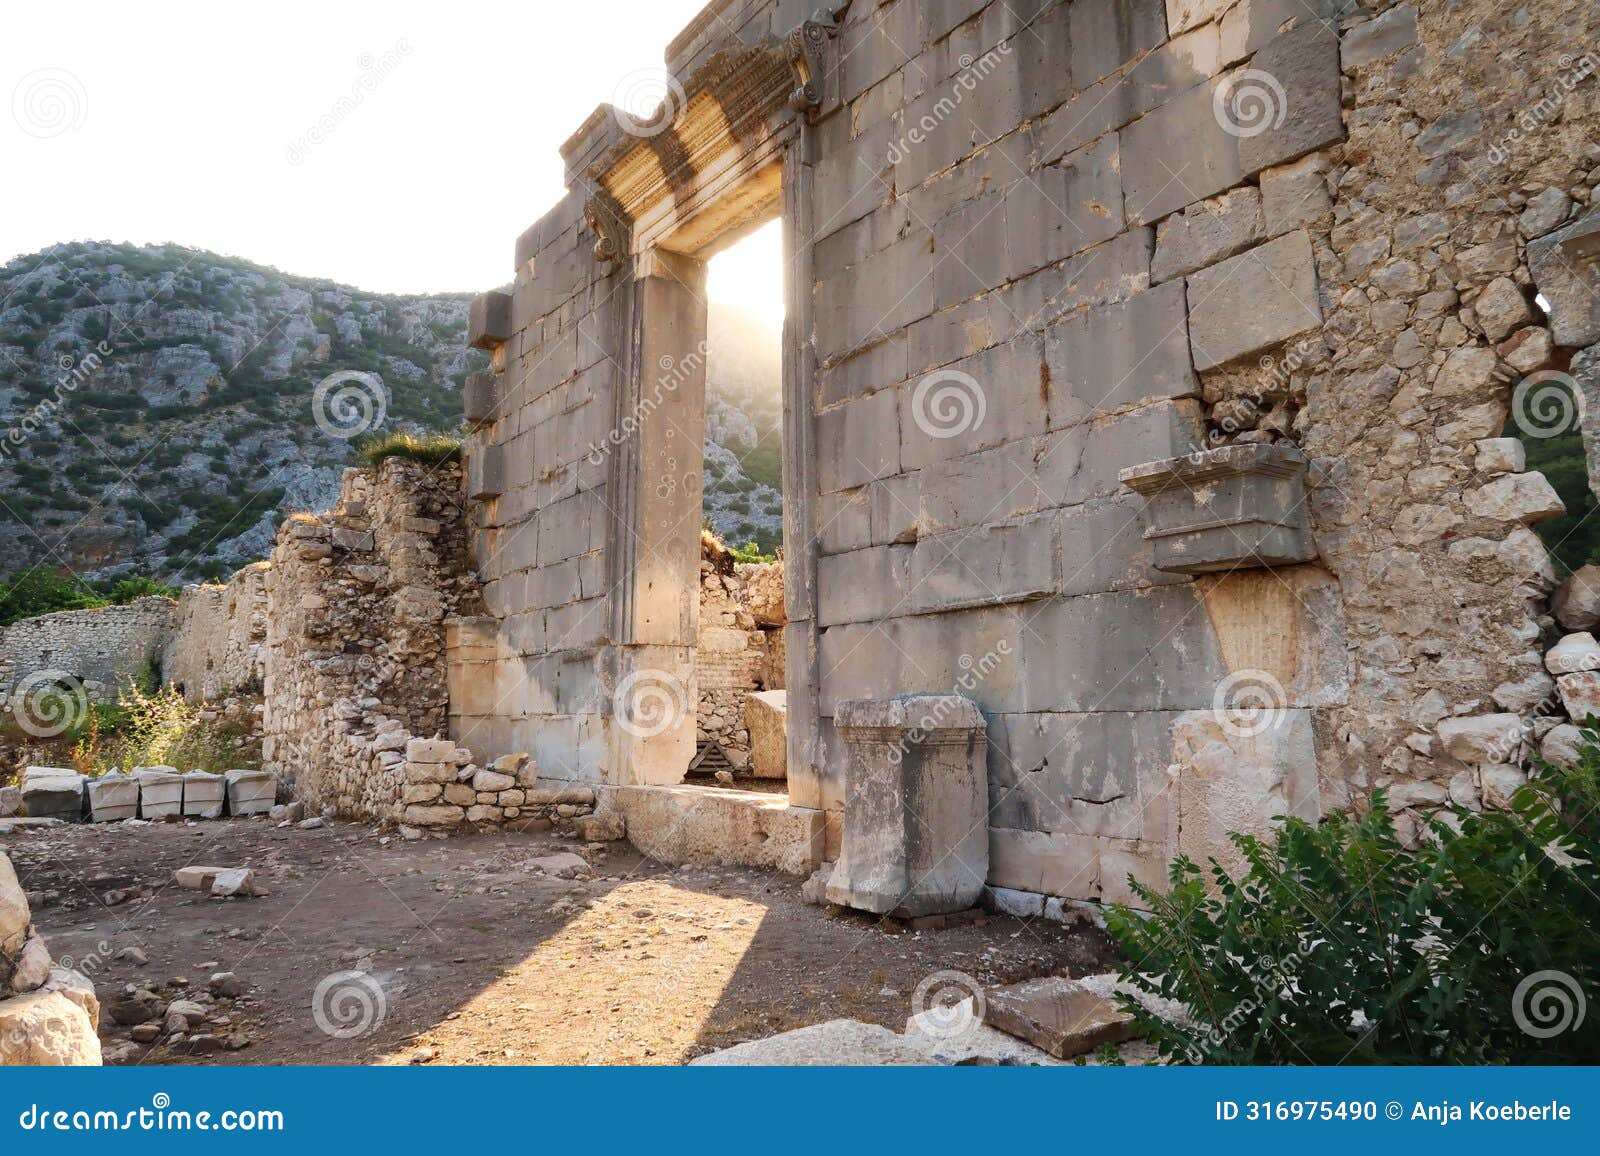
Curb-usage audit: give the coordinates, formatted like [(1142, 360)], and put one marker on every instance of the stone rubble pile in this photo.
[(182, 1020), (48, 1015), (145, 793)]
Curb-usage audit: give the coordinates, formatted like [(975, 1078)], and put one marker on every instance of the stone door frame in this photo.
[(738, 153)]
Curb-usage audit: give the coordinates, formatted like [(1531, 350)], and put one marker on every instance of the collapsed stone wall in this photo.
[(103, 647), (355, 657), (218, 647), (1469, 137), (740, 628)]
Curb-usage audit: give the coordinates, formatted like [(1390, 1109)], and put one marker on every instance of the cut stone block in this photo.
[(52, 793), (1394, 31), (204, 795), (1058, 1015), (1254, 301), (485, 471), (489, 320), (197, 878), (1206, 233), (10, 801), (1112, 357), (846, 1043), (113, 797), (766, 717), (160, 791), (1223, 509), (915, 836), (699, 825), (251, 792), (234, 881), (1566, 268), (1305, 64), (431, 751), (482, 396)]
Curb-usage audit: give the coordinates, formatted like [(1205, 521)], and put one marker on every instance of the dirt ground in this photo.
[(466, 953)]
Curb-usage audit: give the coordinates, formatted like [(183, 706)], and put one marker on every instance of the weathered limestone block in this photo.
[(1483, 739), (251, 792), (489, 320), (1580, 694), (1566, 269), (1207, 233), (482, 396), (1525, 498), (1225, 508), (1241, 770), (766, 717), (10, 801), (1575, 652), (112, 797), (1058, 1015), (1394, 31), (1112, 357), (52, 793), (160, 791), (1253, 302), (1576, 604), (46, 1028), (14, 915), (205, 795), (712, 825), (916, 799)]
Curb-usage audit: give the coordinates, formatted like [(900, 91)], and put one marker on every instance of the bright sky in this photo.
[(189, 123)]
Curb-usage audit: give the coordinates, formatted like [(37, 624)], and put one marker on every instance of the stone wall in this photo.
[(355, 658), (1035, 246), (735, 655), (219, 645), (104, 647)]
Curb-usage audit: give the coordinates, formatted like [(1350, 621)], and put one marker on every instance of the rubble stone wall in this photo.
[(735, 657), (103, 647), (219, 645), (355, 659), (1042, 243)]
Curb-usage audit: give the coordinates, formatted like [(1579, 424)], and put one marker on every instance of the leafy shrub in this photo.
[(154, 728), (431, 449), (1338, 945)]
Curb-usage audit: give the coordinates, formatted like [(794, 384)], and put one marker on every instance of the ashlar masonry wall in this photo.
[(1033, 245), (104, 647)]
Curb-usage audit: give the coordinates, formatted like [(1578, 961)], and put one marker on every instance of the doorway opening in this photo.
[(739, 658)]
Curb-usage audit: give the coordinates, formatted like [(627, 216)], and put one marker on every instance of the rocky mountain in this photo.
[(160, 408)]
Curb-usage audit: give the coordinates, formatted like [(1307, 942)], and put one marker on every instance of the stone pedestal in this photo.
[(251, 792), (916, 832), (160, 792), (52, 793), (204, 795), (113, 797)]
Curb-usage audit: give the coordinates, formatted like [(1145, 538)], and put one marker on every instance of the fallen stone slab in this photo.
[(251, 792), (196, 878), (837, 1043), (958, 1035), (53, 793), (113, 797), (234, 881), (24, 823), (204, 795), (1059, 1016), (160, 792)]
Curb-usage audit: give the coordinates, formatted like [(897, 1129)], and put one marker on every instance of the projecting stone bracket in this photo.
[(489, 320), (807, 48), (1238, 507)]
